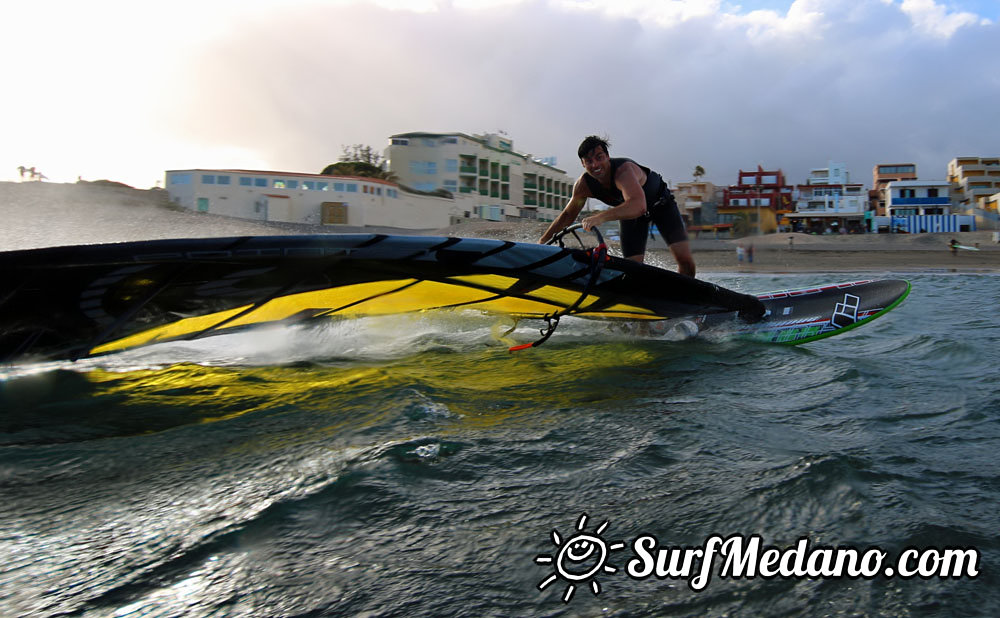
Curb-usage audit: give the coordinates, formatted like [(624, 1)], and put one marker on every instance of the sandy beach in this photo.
[(39, 214)]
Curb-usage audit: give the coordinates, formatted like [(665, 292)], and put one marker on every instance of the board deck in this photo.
[(800, 316)]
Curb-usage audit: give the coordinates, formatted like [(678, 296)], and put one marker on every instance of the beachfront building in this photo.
[(346, 202), (698, 203), (918, 197), (921, 206), (755, 204), (974, 182), (882, 175), (973, 178), (829, 202), (497, 182)]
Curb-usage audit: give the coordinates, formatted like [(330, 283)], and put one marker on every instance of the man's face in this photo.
[(597, 163)]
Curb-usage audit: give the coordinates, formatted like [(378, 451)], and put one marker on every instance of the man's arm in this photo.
[(570, 212), (628, 179)]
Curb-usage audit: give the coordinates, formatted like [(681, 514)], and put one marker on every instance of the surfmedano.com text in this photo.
[(739, 557)]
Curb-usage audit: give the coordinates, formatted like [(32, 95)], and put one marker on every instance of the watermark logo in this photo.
[(583, 556), (579, 559)]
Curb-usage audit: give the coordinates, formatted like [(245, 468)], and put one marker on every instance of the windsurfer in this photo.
[(637, 195)]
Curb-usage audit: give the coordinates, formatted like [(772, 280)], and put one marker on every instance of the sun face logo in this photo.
[(580, 558)]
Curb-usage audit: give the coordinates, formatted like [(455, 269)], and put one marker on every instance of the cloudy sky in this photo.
[(125, 90)]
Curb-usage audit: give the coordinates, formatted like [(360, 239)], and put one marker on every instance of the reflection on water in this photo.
[(413, 465)]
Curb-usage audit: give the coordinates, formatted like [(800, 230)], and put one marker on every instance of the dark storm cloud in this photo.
[(854, 82)]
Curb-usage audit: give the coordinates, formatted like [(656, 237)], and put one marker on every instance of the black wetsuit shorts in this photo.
[(664, 215)]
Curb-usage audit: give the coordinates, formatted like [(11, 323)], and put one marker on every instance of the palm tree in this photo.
[(699, 171)]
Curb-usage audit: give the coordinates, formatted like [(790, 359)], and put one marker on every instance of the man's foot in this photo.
[(752, 310)]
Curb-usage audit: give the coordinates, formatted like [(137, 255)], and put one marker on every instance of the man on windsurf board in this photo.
[(637, 195)]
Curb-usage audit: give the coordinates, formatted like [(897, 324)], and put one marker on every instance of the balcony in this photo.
[(467, 189), (528, 184), (468, 170), (921, 201)]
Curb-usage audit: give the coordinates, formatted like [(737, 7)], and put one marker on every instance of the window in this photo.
[(338, 186), (451, 165), (429, 143), (427, 168), (279, 184), (207, 179), (293, 184), (246, 181), (222, 180), (400, 142), (180, 179), (378, 190), (260, 182), (352, 188), (308, 185), (932, 192), (321, 186), (451, 185), (449, 140)]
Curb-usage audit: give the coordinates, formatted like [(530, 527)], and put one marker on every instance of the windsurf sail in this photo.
[(79, 301)]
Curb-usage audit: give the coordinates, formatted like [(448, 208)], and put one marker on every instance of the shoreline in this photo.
[(776, 261), (40, 215)]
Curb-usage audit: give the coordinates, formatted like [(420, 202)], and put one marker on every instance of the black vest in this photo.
[(612, 196)]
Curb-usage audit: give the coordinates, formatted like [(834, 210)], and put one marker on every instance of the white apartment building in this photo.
[(484, 172), (921, 206), (290, 197), (918, 197), (830, 200)]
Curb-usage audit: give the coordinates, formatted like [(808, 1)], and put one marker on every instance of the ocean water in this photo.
[(412, 466)]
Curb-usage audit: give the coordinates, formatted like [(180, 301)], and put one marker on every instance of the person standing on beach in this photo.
[(636, 194)]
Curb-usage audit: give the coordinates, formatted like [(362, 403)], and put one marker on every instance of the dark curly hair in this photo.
[(591, 142)]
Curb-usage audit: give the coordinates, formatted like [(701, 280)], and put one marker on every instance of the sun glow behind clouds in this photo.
[(87, 83), (117, 89)]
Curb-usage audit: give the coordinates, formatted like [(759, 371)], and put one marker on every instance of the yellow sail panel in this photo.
[(564, 297), (494, 282), (516, 306), (321, 301), (423, 295), (180, 328)]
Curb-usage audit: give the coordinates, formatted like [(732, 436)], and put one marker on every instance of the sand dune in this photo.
[(49, 214)]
